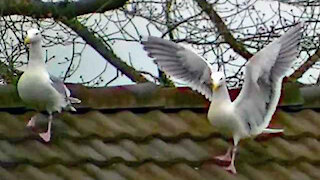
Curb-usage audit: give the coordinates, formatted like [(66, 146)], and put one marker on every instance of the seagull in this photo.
[(40, 90), (250, 113)]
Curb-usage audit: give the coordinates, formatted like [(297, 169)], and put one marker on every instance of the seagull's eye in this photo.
[(221, 79)]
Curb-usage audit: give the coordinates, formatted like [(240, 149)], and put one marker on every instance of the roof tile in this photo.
[(311, 170), (129, 173), (97, 173)]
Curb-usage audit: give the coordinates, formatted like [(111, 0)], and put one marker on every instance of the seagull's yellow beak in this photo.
[(27, 40), (215, 86)]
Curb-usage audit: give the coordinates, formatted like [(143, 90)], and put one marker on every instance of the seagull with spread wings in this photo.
[(251, 112), (40, 90)]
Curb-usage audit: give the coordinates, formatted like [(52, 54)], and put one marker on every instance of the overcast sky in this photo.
[(92, 63)]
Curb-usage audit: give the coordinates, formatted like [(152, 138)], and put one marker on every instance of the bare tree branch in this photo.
[(100, 47), (305, 66), (164, 80), (68, 9), (304, 3), (237, 46)]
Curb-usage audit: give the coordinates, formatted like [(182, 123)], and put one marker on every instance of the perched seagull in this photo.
[(251, 113), (40, 90)]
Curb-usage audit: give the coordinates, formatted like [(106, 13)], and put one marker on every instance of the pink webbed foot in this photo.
[(231, 168), (47, 135), (32, 122), (226, 157)]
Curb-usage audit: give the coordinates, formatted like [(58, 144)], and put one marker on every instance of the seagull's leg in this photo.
[(225, 157), (47, 135), (231, 167), (32, 121)]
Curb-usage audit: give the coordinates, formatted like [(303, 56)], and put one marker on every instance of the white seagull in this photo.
[(251, 112), (38, 89)]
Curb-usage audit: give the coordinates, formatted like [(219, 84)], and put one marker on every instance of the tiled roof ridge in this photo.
[(149, 95)]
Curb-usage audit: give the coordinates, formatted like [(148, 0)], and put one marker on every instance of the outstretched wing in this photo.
[(260, 94), (180, 63)]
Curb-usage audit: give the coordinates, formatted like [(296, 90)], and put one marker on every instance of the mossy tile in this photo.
[(217, 172), (128, 172), (82, 125), (276, 171), (34, 173), (17, 154), (7, 175), (68, 173), (99, 173), (41, 150), (312, 144), (80, 152), (252, 172), (198, 152), (101, 124), (135, 122), (134, 149), (215, 146), (110, 150), (155, 172), (198, 123), (185, 172), (153, 152), (153, 119), (313, 171), (125, 127)]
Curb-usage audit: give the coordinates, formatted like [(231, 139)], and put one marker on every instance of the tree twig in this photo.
[(99, 46), (305, 66), (237, 46)]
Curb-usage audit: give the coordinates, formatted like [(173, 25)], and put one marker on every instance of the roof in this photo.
[(146, 132)]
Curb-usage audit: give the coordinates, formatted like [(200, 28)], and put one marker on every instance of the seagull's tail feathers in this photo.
[(72, 108), (74, 100), (69, 107), (270, 131), (69, 101)]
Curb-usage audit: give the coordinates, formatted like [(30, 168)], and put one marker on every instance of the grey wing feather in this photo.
[(181, 63), (260, 93), (58, 85)]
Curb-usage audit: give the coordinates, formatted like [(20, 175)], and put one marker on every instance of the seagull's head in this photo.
[(33, 35), (218, 79)]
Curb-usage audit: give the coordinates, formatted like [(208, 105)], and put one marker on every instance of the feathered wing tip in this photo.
[(71, 108), (74, 100), (270, 131), (180, 62), (287, 55), (70, 100)]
